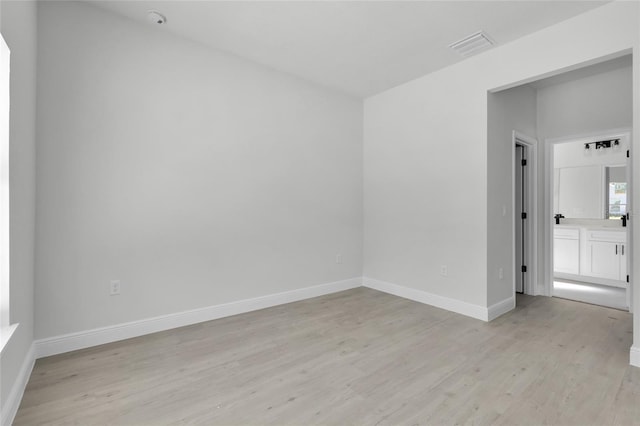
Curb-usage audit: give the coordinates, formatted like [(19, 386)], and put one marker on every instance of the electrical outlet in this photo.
[(338, 258), (114, 288), (501, 273), (443, 270)]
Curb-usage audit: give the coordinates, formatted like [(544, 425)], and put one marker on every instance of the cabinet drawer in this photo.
[(566, 233), (612, 236)]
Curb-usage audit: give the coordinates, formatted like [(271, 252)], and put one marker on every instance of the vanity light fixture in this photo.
[(603, 144)]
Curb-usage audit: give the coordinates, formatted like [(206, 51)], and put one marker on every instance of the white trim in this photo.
[(10, 408), (84, 339), (501, 308), (634, 356), (457, 306), (530, 286), (5, 228), (547, 281), (630, 224), (5, 335)]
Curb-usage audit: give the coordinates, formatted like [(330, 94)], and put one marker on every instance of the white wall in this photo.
[(195, 177), (509, 110), (426, 155), (425, 186), (635, 161), (573, 154), (18, 27), (591, 104)]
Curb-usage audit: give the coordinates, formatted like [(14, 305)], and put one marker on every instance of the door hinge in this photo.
[(523, 162), (627, 278), (627, 153), (523, 215), (523, 268)]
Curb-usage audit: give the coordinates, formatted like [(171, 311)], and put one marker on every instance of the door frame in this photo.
[(549, 143), (531, 144)]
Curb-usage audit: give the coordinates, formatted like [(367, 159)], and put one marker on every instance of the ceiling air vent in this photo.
[(470, 45)]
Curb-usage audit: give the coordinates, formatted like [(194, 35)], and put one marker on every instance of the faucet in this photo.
[(558, 217)]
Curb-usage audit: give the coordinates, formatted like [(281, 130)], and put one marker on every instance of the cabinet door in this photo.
[(566, 256), (604, 259)]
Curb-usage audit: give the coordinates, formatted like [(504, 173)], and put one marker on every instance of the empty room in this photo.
[(319, 212)]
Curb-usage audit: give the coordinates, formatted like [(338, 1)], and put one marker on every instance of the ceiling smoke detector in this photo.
[(475, 43), (156, 17)]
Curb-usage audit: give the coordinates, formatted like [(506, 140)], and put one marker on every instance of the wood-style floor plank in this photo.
[(357, 357)]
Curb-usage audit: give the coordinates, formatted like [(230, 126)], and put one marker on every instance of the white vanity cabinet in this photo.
[(566, 250), (606, 254), (593, 255)]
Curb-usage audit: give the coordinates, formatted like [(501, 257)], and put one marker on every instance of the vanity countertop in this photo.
[(610, 224), (613, 227)]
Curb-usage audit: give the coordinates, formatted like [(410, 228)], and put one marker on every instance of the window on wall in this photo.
[(616, 192), (4, 190), (617, 199)]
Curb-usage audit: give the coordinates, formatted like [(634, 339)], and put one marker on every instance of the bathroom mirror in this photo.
[(591, 192)]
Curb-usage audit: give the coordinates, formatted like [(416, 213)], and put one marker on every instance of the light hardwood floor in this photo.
[(357, 357)]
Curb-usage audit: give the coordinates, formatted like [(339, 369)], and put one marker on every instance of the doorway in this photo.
[(589, 238)]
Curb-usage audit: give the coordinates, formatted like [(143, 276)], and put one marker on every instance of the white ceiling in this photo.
[(360, 48)]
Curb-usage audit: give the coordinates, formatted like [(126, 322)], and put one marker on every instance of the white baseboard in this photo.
[(457, 306), (501, 308), (84, 339), (634, 356), (10, 409)]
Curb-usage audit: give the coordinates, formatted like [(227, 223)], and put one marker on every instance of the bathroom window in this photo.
[(616, 192)]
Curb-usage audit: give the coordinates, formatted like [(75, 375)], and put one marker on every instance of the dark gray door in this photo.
[(521, 217)]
